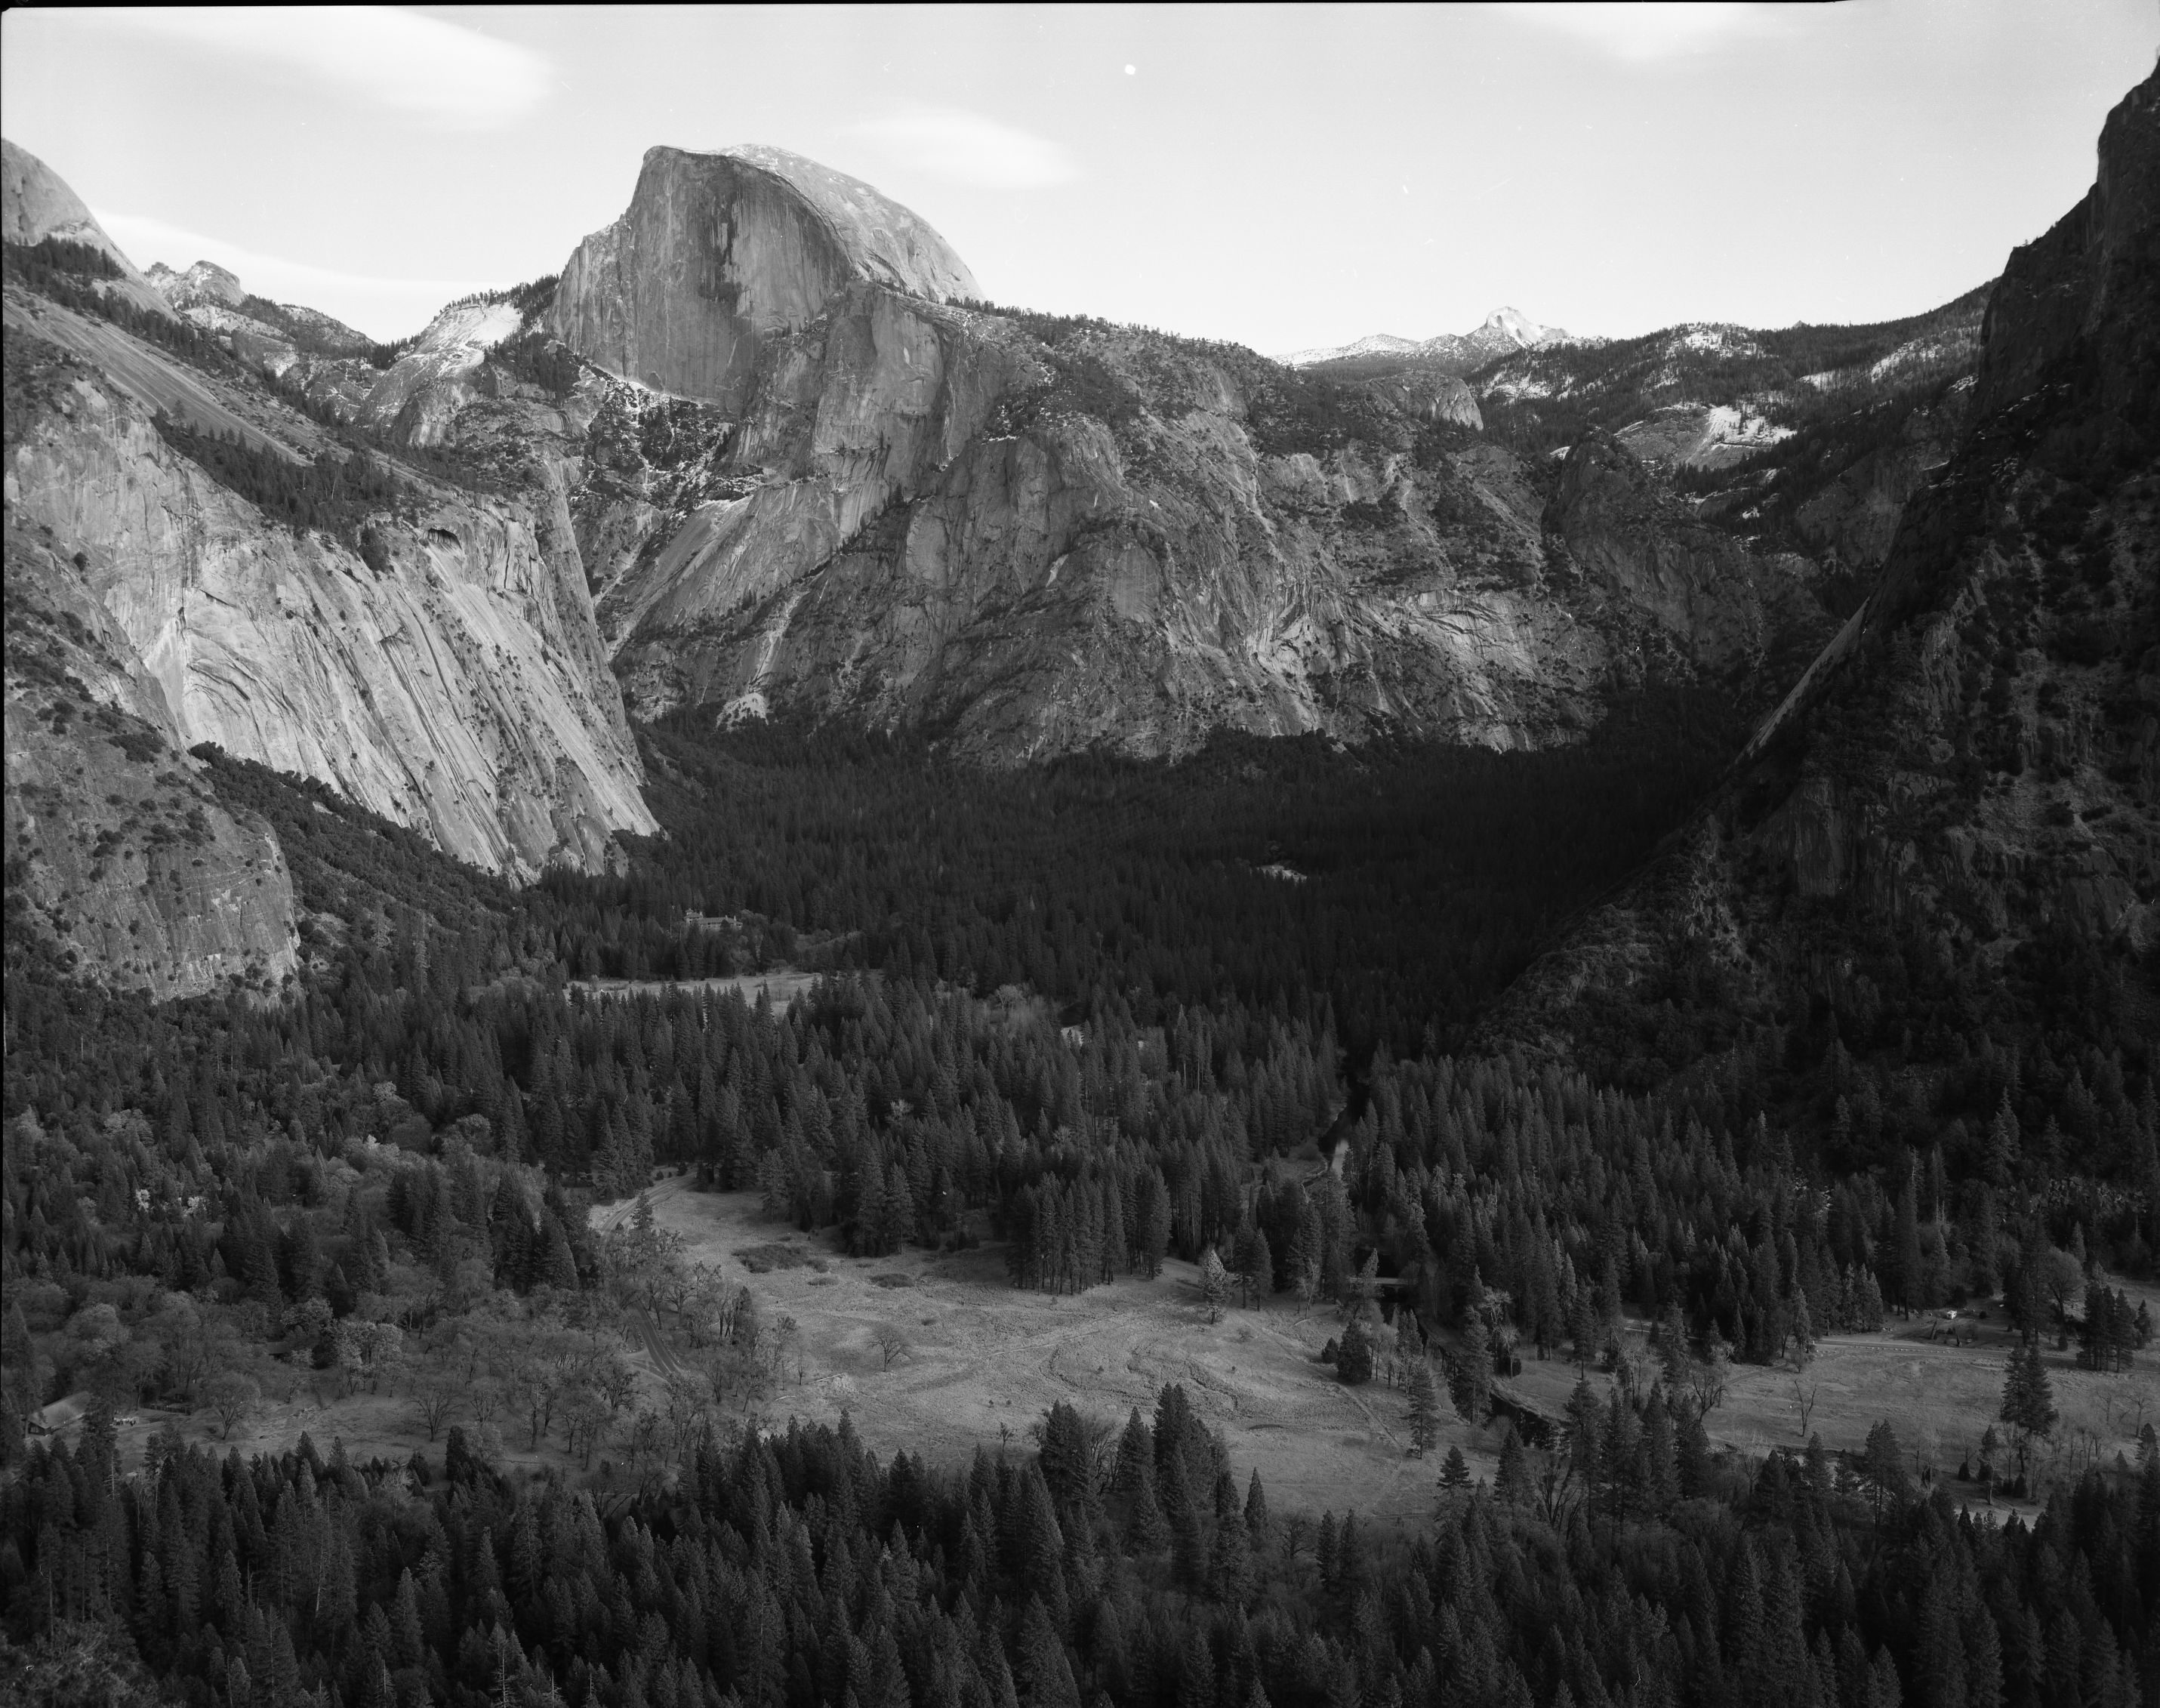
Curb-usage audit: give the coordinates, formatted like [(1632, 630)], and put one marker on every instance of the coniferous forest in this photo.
[(1094, 1011)]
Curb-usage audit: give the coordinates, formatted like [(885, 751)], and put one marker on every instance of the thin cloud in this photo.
[(423, 68), (1650, 30), (379, 307), (967, 147)]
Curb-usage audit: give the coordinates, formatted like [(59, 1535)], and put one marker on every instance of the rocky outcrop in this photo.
[(1850, 519), (414, 402), (719, 253), (1726, 607), (121, 862), (1429, 395), (275, 339), (204, 284)]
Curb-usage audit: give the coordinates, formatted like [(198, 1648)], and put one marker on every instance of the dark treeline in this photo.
[(335, 494), (1630, 1566), (40, 266), (1406, 884)]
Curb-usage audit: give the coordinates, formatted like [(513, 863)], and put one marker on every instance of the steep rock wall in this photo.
[(1959, 794), (120, 858), (454, 685), (717, 253), (906, 527)]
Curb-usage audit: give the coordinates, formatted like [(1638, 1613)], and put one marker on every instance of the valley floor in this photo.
[(985, 1360)]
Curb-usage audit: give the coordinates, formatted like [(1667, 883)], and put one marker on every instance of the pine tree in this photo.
[(1230, 1565), (1256, 1508), (2028, 1401), (1155, 1225), (1354, 1354), (1471, 1376), (1067, 1462), (1195, 1671), (1905, 1245), (1147, 1531), (1136, 1460), (1883, 1466), (1425, 1409), (1045, 1676), (1455, 1469)]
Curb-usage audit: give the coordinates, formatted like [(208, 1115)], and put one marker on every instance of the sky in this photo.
[(1281, 177)]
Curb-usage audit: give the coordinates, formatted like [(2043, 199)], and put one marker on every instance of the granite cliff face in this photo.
[(719, 253), (119, 856), (446, 679), (251, 574), (859, 501), (1962, 790)]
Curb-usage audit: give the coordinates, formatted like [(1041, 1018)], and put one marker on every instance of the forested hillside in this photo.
[(799, 1569)]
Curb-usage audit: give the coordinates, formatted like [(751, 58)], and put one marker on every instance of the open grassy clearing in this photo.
[(984, 1361), (1940, 1398), (987, 1359)]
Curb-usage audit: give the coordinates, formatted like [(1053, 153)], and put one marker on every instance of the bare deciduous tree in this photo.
[(232, 1397), (889, 1340), (435, 1392)]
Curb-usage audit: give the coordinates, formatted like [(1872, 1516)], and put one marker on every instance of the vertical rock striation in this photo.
[(719, 252)]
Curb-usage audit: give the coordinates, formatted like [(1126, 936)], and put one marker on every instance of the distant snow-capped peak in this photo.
[(1373, 344), (1517, 326), (1502, 331)]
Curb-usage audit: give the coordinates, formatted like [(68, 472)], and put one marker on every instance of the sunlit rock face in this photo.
[(821, 486), (453, 684), (717, 253)]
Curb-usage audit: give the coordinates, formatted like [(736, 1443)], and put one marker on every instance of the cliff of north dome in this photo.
[(446, 679), (252, 573)]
